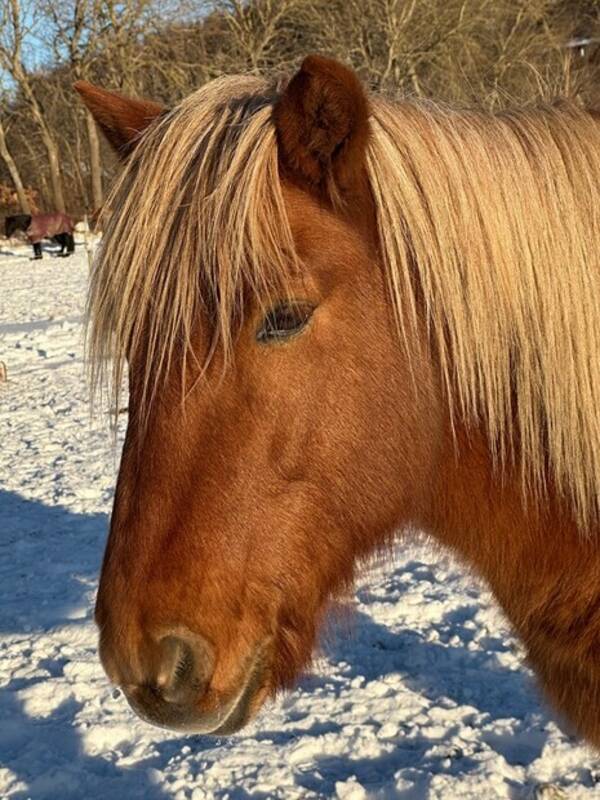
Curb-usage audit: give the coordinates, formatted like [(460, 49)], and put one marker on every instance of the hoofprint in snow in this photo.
[(420, 692)]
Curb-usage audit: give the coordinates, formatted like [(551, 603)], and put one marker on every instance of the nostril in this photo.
[(171, 654), (186, 666)]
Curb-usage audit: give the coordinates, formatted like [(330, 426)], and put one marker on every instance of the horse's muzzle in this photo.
[(179, 696)]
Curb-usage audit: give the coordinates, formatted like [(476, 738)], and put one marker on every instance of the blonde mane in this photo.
[(489, 225)]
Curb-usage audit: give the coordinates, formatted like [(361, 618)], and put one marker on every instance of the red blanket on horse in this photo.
[(45, 226)]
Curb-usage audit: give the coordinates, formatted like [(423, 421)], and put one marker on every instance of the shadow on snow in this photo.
[(49, 562)]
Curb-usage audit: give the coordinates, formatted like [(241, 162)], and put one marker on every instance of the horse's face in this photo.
[(236, 518)]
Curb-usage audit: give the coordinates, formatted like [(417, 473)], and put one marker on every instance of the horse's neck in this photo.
[(543, 571)]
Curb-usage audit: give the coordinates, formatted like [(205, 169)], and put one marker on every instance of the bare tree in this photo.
[(261, 30), (121, 27), (12, 34), (74, 38), (13, 171)]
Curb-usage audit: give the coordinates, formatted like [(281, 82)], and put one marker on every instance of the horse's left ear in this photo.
[(322, 122), (121, 119)]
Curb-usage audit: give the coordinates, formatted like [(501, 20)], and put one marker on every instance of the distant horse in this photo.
[(57, 227), (343, 317)]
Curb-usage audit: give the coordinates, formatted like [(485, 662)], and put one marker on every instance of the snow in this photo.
[(420, 692)]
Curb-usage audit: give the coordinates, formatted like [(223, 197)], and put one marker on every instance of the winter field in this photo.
[(420, 692)]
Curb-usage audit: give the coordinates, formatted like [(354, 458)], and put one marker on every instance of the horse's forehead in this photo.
[(323, 240)]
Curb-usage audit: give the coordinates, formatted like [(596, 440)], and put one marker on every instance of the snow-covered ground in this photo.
[(420, 693)]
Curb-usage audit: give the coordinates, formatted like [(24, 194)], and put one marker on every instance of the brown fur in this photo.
[(243, 508), (121, 119), (322, 123), (543, 573)]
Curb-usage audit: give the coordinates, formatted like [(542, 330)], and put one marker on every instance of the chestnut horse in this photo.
[(342, 317)]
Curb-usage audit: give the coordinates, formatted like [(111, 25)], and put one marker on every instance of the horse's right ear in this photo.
[(122, 119)]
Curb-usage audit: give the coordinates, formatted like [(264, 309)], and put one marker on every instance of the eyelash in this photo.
[(284, 321)]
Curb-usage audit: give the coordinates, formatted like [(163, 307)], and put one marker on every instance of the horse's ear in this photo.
[(121, 119), (322, 122)]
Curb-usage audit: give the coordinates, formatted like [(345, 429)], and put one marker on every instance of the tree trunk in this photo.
[(95, 161), (58, 198), (55, 176), (14, 173)]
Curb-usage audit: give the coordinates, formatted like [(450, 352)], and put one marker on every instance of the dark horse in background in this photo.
[(57, 227)]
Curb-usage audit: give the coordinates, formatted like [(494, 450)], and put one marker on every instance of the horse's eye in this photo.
[(284, 321)]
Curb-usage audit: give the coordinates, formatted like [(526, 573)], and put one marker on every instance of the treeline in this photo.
[(469, 52)]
